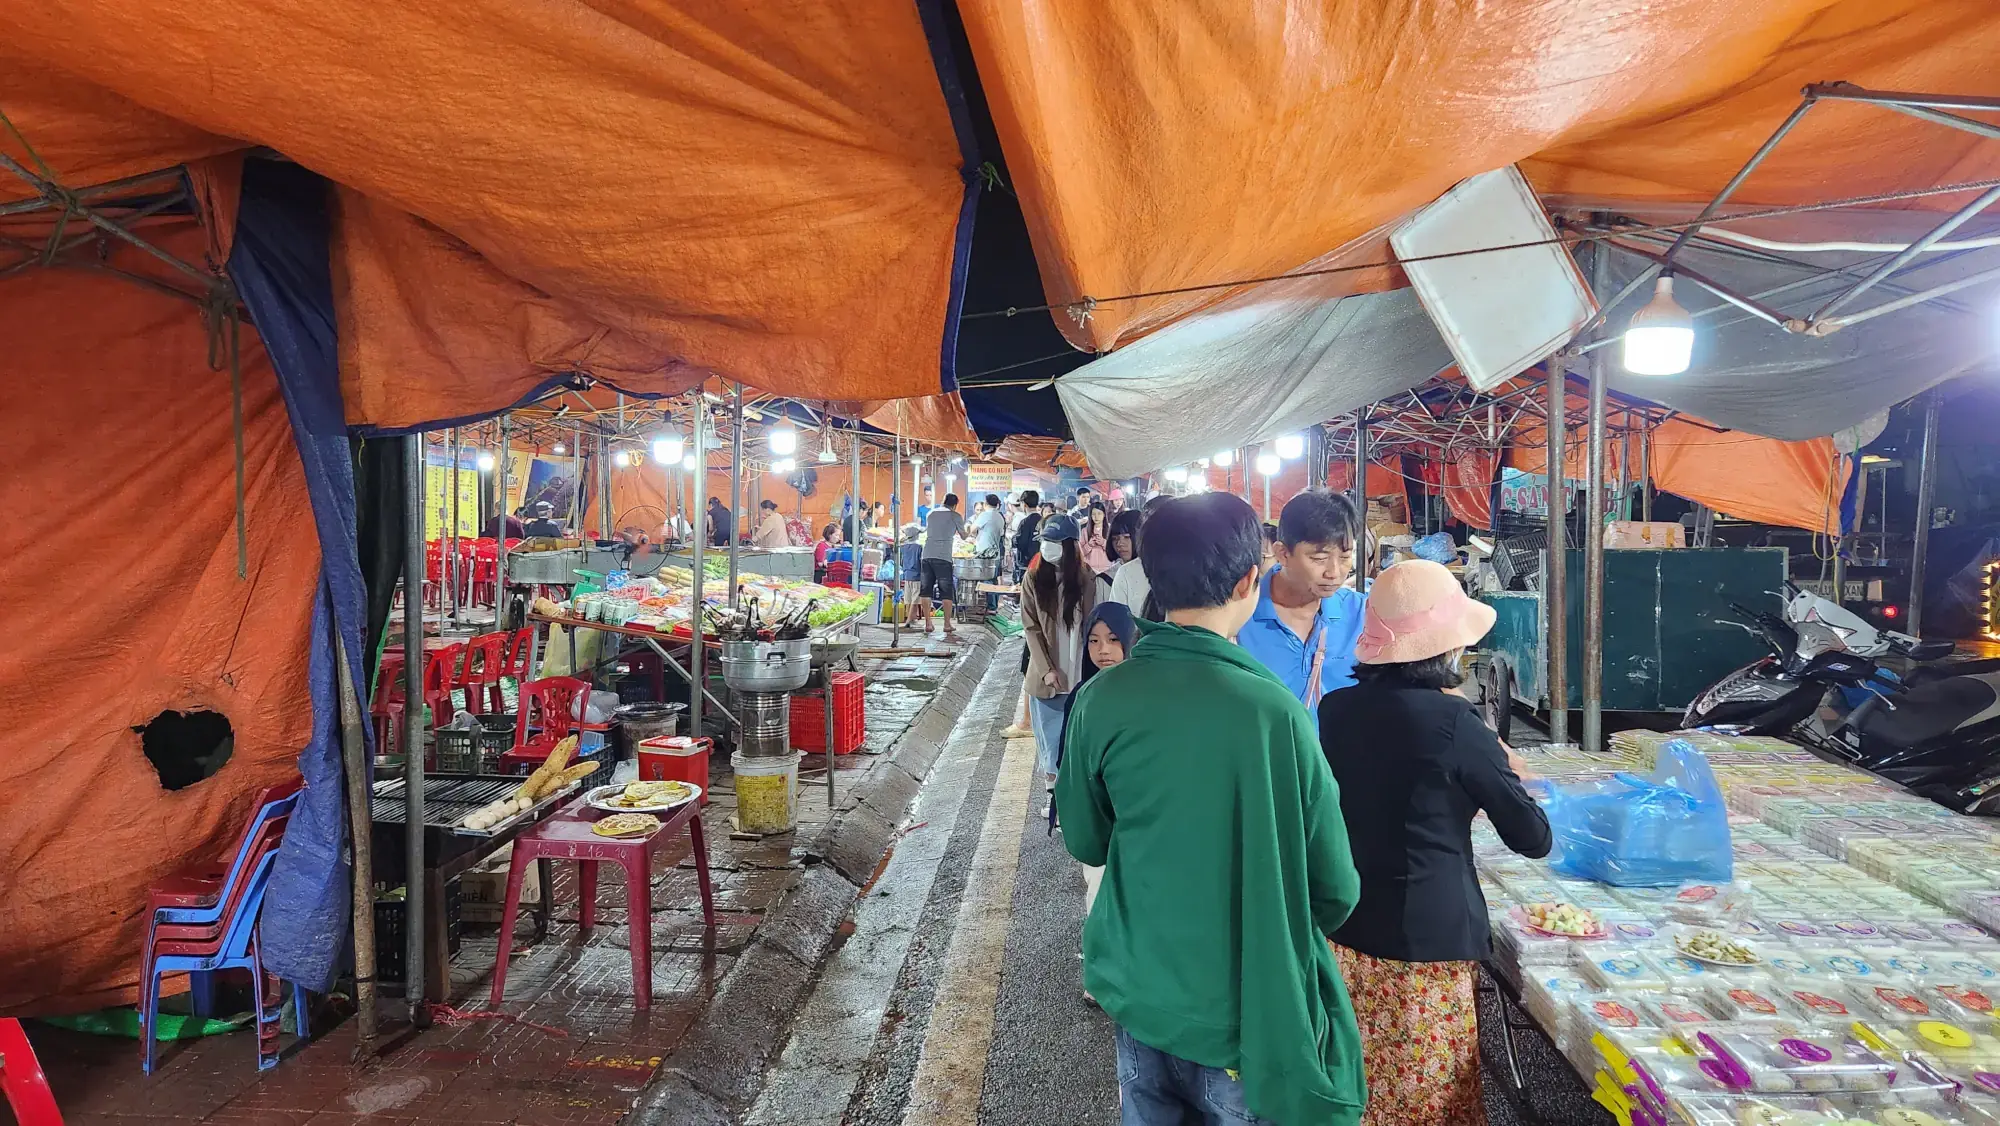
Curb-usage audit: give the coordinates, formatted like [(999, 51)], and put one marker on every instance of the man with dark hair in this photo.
[(544, 525), (1028, 534), (1192, 775), (1307, 616), (941, 527), (989, 530), (1080, 511)]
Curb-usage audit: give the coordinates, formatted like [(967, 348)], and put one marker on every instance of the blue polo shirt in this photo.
[(1277, 648)]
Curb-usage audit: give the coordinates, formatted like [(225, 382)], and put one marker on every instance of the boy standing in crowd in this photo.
[(1192, 775), (1307, 617)]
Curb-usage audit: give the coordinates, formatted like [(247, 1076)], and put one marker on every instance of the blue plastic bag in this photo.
[(1665, 830), (1436, 547)]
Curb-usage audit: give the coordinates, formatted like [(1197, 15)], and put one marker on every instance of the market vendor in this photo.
[(770, 528), (509, 525), (544, 525), (1307, 618)]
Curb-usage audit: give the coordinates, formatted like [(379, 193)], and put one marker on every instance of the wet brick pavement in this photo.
[(566, 1049)]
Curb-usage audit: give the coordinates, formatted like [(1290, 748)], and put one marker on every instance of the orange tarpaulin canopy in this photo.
[(1031, 452), (1214, 141), (132, 435), (651, 191)]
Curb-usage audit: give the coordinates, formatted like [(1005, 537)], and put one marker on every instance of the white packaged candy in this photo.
[(1619, 967)]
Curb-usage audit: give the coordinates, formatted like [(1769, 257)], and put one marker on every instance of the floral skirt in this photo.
[(1419, 1039)]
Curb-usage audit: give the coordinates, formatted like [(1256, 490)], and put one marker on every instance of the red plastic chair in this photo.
[(441, 667), (22, 1081), (646, 665), (385, 707), (485, 662), (519, 652), (547, 715)]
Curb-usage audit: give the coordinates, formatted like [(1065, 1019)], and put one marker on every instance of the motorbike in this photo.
[(1936, 731)]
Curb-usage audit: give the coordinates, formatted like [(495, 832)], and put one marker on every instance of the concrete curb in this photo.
[(719, 1068)]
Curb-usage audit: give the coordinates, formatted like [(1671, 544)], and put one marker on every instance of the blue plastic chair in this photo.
[(196, 916), (237, 950)]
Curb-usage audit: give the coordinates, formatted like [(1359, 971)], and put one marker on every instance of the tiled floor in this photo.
[(567, 1047)]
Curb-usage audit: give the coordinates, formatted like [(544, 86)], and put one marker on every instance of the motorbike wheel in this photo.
[(1496, 705)]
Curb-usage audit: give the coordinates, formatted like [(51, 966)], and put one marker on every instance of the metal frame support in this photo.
[(698, 651), (735, 490), (505, 466), (896, 535), (1365, 567), (1593, 563), (1555, 578), (414, 928), (1926, 502)]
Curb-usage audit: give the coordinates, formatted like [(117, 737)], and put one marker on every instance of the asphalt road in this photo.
[(976, 995)]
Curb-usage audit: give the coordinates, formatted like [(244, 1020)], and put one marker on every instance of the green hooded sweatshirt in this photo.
[(1197, 781)]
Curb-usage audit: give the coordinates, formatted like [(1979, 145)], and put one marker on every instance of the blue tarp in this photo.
[(281, 266)]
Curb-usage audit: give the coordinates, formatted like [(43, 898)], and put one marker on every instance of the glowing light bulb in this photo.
[(784, 440), (1291, 446), (667, 448), (1223, 459), (485, 462), (1178, 474), (559, 449), (1269, 464), (688, 463), (1660, 338)]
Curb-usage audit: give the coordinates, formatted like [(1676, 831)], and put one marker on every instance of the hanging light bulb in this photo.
[(826, 454), (1291, 446), (1269, 464), (916, 459), (1198, 483), (784, 465), (485, 462), (559, 449), (784, 440), (1223, 459), (667, 448), (688, 463), (1660, 338), (1178, 474)]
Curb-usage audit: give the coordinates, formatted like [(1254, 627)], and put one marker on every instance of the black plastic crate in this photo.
[(470, 752), (389, 931)]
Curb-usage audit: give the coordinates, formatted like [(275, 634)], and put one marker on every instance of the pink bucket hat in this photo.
[(1416, 610)]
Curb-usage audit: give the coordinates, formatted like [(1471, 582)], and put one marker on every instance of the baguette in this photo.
[(559, 758), (571, 774)]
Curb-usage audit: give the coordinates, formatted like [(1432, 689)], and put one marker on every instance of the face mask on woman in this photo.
[(1052, 551)]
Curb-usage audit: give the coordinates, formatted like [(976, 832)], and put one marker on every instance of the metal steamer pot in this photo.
[(766, 666)]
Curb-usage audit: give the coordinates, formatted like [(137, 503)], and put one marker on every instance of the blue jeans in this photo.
[(1156, 1089), (1046, 717)]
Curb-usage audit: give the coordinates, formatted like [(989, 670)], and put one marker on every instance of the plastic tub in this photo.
[(636, 723), (767, 793)]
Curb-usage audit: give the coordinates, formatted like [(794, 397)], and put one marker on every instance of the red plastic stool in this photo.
[(567, 836), (22, 1081)]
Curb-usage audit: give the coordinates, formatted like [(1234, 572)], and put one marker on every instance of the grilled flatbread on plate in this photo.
[(626, 825), (639, 795)]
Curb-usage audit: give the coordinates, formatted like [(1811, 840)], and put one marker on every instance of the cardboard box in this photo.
[(482, 892)]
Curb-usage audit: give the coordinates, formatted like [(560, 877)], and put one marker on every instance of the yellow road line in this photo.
[(952, 1068)]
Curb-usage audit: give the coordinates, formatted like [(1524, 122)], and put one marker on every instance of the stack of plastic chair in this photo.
[(21, 1079), (204, 918), (433, 574)]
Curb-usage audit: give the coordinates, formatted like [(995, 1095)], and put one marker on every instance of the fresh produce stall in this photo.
[(1846, 974)]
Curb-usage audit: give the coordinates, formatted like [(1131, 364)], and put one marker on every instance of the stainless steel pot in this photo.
[(977, 569), (766, 666)]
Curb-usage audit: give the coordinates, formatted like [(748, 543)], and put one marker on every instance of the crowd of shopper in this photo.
[(1271, 775)]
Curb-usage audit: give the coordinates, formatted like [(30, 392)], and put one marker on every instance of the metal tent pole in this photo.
[(500, 534), (1926, 499), (1267, 487), (1646, 474), (1593, 562), (576, 483), (355, 771), (1555, 577), (896, 534), (735, 487), (450, 537), (603, 486), (413, 728), (1364, 563), (699, 650), (854, 498)]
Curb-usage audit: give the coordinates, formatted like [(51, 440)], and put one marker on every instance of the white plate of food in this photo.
[(1716, 948), (1559, 920), (642, 797)]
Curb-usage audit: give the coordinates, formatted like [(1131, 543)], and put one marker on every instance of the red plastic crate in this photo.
[(850, 717)]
